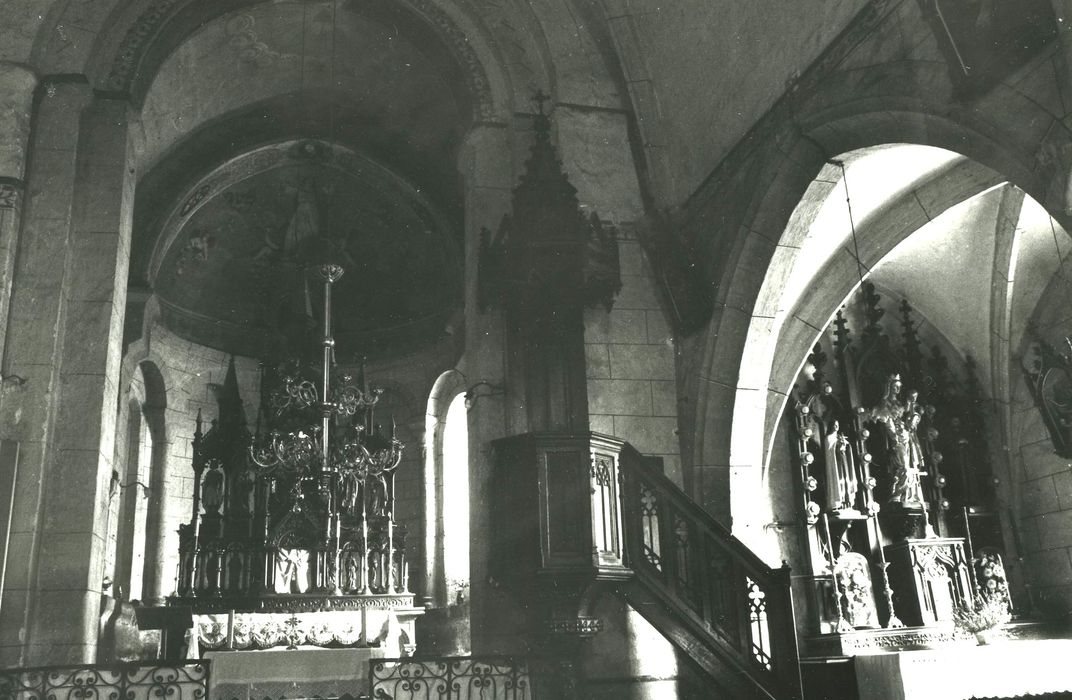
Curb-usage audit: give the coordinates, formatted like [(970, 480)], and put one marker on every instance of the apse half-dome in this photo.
[(224, 265)]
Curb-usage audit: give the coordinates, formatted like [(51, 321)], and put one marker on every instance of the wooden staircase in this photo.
[(705, 591)]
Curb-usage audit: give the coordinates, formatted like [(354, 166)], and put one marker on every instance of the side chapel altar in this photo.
[(896, 489), (292, 544)]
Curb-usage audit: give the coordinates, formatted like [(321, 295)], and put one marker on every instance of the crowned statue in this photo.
[(900, 422)]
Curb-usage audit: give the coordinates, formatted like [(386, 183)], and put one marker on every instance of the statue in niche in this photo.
[(245, 492), (842, 480), (900, 422), (854, 584), (291, 570), (352, 563), (351, 491), (212, 489)]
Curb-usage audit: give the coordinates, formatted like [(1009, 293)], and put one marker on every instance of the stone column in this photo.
[(488, 170), (16, 102), (65, 337)]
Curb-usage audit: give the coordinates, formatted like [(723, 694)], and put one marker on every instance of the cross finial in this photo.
[(539, 98)]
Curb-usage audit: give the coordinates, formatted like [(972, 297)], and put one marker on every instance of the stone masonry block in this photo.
[(22, 409), (65, 616), (659, 328), (649, 435), (99, 198), (664, 398), (631, 259), (58, 114), (32, 332), (86, 339), (12, 614), (1040, 460), (1051, 567), (93, 275), (641, 362), (43, 247), (620, 397), (70, 561), (17, 573), (72, 508), (1039, 496), (619, 326), (601, 424), (1055, 530), (672, 469), (732, 326), (27, 486), (1029, 534), (1055, 597), (51, 184), (1062, 482), (638, 292), (81, 411), (597, 361)]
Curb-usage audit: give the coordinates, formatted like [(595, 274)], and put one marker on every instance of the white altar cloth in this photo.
[(1006, 669), (301, 673)]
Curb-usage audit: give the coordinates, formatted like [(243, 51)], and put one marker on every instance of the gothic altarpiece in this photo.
[(292, 539), (896, 484)]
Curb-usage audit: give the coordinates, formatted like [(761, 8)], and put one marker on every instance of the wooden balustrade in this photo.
[(705, 574)]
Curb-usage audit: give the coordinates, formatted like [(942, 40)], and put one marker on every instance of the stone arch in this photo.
[(894, 222), (134, 40), (831, 119), (447, 386), (446, 521)]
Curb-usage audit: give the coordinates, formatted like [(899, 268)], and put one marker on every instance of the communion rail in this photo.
[(187, 680), (462, 678), (699, 578)]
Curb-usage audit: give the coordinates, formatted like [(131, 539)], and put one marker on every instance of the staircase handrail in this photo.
[(686, 558)]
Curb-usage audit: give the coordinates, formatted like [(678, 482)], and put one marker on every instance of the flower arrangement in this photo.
[(983, 614)]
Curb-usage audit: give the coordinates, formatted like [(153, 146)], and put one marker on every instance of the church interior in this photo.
[(535, 349)]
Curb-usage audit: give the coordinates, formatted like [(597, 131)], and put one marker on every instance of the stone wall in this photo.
[(630, 363), (1042, 478)]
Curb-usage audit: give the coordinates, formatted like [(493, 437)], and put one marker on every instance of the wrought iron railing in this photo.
[(710, 578), (462, 678), (138, 681)]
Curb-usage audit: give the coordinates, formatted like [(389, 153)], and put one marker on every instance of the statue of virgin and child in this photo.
[(900, 422)]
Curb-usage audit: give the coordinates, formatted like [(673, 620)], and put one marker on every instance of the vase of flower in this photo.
[(984, 618)]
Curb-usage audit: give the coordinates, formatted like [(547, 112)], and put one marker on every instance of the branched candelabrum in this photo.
[(336, 444)]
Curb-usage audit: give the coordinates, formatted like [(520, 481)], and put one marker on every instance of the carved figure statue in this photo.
[(352, 563), (291, 571), (842, 481), (245, 496), (305, 222), (900, 422), (351, 492), (854, 583), (212, 489)]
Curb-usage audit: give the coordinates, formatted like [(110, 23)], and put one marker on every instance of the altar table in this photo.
[(301, 673), (1006, 669)]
